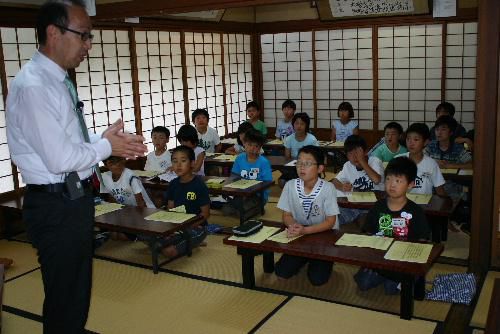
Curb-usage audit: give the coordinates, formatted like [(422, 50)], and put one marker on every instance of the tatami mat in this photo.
[(483, 304), (14, 324), (127, 299), (457, 245), (220, 261), (24, 256), (304, 315)]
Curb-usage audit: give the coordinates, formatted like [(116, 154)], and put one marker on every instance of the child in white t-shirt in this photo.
[(284, 128), (360, 173), (188, 136), (429, 175), (345, 126), (309, 206), (159, 159), (208, 136), (120, 185)]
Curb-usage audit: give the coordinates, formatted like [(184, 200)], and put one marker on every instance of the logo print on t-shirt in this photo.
[(204, 144), (419, 182), (250, 175), (191, 196), (362, 183)]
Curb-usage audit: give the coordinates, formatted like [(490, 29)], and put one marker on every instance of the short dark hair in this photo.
[(253, 104), (346, 106), (188, 133), (353, 142), (394, 125), (419, 128), (185, 149), (199, 112), (113, 159), (255, 136), (447, 107), (56, 13), (447, 120), (161, 129), (315, 151), (402, 166), (289, 103), (304, 117), (243, 128)]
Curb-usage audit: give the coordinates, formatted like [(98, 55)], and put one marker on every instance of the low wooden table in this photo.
[(438, 210), (241, 195), (322, 246), (130, 219)]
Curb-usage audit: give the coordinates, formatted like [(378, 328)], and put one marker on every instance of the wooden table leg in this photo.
[(247, 267), (268, 262), (406, 306), (187, 237), (154, 254), (436, 228)]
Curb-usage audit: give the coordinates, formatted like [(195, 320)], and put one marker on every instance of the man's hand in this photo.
[(124, 144), (346, 187)]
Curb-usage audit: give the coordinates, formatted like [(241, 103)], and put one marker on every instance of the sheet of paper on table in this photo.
[(147, 173), (103, 208), (275, 142), (419, 198), (292, 163), (449, 170), (226, 157), (465, 172), (264, 233), (170, 217), (362, 197), (168, 176), (408, 252), (282, 237), (209, 154), (243, 184), (215, 180), (359, 240), (229, 141)]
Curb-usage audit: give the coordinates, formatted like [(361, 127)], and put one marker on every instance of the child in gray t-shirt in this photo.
[(309, 205)]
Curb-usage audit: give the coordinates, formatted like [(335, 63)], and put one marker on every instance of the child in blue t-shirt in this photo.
[(301, 138), (251, 165), (345, 126)]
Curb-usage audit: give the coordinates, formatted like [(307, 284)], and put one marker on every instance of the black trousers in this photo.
[(61, 230)]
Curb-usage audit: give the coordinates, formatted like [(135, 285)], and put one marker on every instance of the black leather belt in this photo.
[(57, 187)]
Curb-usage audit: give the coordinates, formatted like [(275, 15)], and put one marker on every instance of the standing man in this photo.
[(49, 142)]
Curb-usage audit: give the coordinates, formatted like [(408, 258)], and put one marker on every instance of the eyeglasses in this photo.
[(85, 36), (305, 164)]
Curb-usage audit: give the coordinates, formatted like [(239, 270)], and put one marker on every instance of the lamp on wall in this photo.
[(90, 6)]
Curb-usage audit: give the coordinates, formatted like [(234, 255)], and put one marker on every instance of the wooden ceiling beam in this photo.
[(161, 7)]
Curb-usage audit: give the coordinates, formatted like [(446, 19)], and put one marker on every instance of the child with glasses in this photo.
[(309, 205)]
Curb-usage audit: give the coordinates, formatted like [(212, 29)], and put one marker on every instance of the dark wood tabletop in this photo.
[(130, 219), (437, 206), (493, 322), (322, 246), (251, 191), (276, 161)]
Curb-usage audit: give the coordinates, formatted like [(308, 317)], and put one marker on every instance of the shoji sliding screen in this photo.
[(204, 76), (461, 49), (344, 73), (287, 70), (19, 45), (104, 81), (409, 74), (238, 78), (159, 67)]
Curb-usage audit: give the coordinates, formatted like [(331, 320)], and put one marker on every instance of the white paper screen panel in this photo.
[(238, 78), (344, 72), (19, 45), (461, 51), (104, 81), (204, 76), (287, 69), (159, 68), (410, 66)]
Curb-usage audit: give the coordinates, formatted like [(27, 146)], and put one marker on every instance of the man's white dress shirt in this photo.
[(44, 136)]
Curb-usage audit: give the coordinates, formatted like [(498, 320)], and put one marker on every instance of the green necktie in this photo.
[(81, 120)]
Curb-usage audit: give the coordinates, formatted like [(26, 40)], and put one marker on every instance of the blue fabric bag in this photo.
[(453, 288)]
